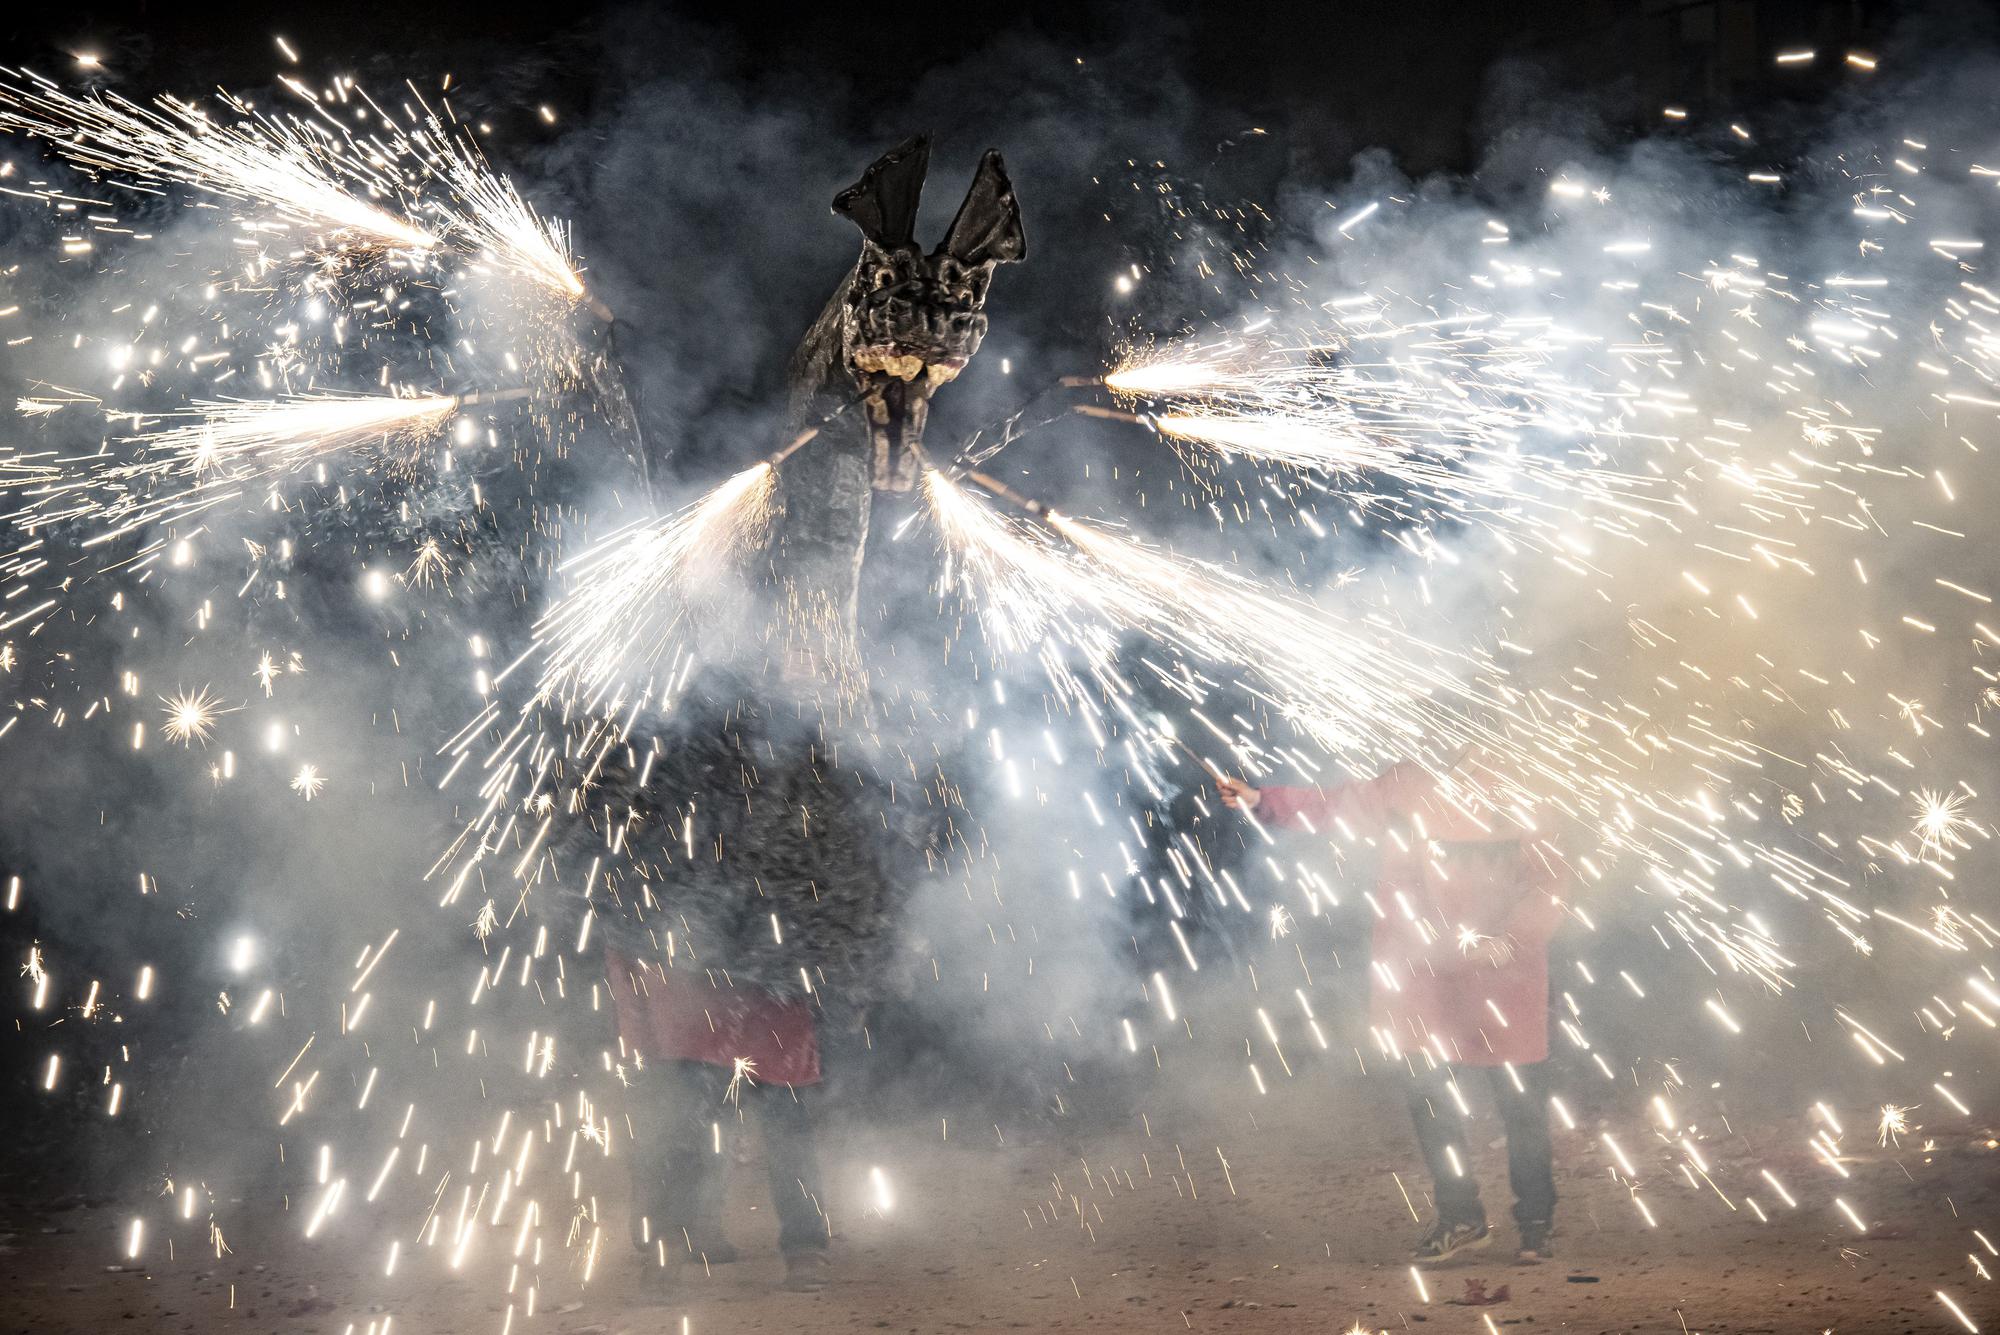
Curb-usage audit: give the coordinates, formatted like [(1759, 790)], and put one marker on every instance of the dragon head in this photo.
[(909, 321)]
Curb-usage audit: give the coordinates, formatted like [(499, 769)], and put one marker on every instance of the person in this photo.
[(744, 856), (703, 1048), (1467, 899)]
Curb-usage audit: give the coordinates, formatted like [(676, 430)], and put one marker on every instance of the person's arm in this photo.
[(1366, 806), (1285, 808)]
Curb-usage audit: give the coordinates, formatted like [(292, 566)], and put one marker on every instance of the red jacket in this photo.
[(695, 1016), (1448, 876)]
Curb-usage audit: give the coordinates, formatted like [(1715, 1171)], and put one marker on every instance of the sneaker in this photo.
[(1535, 1248), (806, 1272), (719, 1252), (1448, 1237)]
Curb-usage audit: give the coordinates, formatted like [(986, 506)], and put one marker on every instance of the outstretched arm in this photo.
[(1366, 807)]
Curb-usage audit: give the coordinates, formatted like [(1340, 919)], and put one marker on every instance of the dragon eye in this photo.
[(883, 277)]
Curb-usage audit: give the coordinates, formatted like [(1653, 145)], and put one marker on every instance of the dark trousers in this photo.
[(678, 1177), (1525, 1114)]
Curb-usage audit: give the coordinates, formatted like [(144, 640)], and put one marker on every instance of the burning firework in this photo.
[(500, 227), (212, 452), (633, 595), (293, 168)]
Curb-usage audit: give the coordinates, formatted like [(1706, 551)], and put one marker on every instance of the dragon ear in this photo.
[(883, 203), (987, 229)]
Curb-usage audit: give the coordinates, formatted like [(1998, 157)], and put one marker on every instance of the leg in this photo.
[(678, 1176), (1441, 1136), (791, 1154), (1530, 1159), (650, 1110)]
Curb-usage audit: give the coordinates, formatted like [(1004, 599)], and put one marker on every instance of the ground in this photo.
[(1280, 1212)]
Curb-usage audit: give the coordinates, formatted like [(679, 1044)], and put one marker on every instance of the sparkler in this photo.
[(500, 227), (280, 433), (311, 171), (1434, 429), (282, 165), (208, 454), (634, 595), (1351, 687)]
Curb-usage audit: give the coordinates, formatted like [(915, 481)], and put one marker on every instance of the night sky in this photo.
[(1411, 77)]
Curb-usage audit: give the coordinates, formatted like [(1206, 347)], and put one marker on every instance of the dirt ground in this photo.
[(1276, 1213)]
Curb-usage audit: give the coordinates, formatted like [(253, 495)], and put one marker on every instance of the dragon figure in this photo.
[(767, 829), (901, 324)]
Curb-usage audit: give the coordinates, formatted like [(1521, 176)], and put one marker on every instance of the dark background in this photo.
[(1326, 79)]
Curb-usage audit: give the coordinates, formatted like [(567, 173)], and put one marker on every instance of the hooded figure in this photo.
[(743, 862)]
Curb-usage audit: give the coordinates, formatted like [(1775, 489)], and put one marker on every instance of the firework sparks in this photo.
[(1940, 821), (191, 716), (430, 564), (1894, 1125), (1442, 415), (1346, 686), (1192, 370), (1465, 437), (282, 165), (267, 672), (502, 228), (633, 595), (208, 454), (742, 1072), (281, 433)]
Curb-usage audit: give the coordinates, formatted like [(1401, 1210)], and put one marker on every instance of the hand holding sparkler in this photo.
[(1236, 794)]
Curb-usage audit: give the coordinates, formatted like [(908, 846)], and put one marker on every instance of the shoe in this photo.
[(1535, 1248), (806, 1272), (1449, 1237), (719, 1252)]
